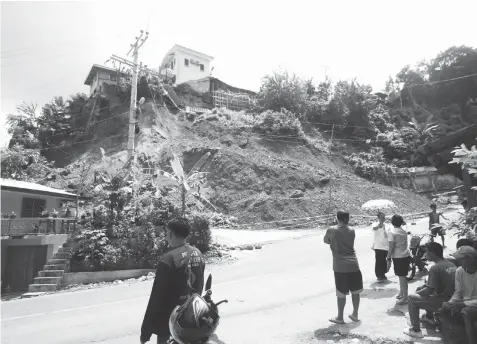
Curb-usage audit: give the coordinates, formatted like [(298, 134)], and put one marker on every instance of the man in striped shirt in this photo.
[(462, 307)]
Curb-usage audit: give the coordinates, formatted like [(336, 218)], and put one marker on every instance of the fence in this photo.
[(233, 101), (36, 226)]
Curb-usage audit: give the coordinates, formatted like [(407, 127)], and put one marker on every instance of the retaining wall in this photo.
[(71, 278)]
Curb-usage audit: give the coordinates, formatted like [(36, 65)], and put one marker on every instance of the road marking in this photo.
[(123, 301)]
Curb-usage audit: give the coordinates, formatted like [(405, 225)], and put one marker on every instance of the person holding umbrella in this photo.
[(380, 247)]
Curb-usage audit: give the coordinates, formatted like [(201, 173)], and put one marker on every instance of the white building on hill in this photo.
[(182, 64)]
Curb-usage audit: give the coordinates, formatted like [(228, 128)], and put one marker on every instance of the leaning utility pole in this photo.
[(134, 65)]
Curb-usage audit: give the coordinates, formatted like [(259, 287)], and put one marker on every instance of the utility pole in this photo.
[(134, 65), (331, 141)]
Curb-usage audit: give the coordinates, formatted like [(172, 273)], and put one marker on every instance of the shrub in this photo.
[(148, 248), (200, 235), (279, 123), (282, 90), (369, 165)]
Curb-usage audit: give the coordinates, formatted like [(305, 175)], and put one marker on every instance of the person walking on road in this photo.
[(400, 256), (179, 274), (434, 223), (348, 277), (380, 247)]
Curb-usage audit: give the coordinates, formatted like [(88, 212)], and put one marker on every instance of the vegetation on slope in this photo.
[(265, 165)]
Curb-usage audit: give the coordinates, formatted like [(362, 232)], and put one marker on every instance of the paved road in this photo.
[(276, 295)]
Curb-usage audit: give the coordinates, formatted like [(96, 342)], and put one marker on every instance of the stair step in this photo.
[(62, 255), (68, 244), (34, 294), (55, 267), (51, 273), (57, 261), (65, 249), (48, 280), (35, 288)]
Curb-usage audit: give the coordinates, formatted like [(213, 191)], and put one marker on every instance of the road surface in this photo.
[(280, 294)]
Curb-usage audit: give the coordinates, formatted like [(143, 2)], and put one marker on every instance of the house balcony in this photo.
[(36, 226), (168, 73)]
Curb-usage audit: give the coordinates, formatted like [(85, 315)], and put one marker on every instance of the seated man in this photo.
[(461, 242), (462, 307), (431, 296)]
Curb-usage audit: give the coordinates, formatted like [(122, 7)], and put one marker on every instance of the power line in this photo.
[(80, 142), (65, 42), (441, 81)]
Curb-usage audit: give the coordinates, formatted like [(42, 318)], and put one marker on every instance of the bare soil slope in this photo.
[(252, 176)]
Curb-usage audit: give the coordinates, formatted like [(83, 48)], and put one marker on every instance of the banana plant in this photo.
[(186, 182), (424, 129)]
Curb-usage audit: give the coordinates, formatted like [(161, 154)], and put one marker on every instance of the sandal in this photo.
[(336, 321), (353, 318), (401, 302)]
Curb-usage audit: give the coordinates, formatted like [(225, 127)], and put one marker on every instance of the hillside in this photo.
[(253, 176)]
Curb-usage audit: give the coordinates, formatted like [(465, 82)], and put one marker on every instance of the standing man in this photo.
[(434, 223), (348, 276), (431, 296), (380, 247), (180, 273)]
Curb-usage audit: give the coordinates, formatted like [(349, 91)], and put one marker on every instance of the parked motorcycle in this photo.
[(418, 255), (196, 320)]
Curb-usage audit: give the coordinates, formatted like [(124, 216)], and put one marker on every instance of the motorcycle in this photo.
[(212, 323), (418, 258)]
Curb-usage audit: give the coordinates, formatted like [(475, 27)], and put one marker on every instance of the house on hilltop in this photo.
[(182, 64), (99, 75)]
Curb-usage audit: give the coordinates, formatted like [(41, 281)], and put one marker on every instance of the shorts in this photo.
[(437, 231), (401, 266), (347, 282)]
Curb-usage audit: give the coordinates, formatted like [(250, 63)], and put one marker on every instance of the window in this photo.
[(201, 67), (173, 63), (112, 77), (186, 62), (32, 207)]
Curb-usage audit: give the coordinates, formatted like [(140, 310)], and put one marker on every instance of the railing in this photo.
[(233, 101), (35, 226)]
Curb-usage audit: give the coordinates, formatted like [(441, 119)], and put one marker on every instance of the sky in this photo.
[(48, 48)]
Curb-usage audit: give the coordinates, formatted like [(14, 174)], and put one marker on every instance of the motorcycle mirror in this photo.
[(208, 284)]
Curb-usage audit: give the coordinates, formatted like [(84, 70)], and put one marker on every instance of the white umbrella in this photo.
[(376, 205)]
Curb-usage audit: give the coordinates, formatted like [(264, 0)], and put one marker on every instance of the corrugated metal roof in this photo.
[(32, 186)]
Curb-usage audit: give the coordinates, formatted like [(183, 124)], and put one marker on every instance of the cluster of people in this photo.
[(449, 296)]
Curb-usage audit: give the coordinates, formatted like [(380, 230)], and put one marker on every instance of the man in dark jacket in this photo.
[(180, 273)]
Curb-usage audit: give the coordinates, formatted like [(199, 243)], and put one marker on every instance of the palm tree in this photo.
[(24, 117)]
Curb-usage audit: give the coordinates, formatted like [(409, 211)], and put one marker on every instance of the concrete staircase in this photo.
[(50, 278)]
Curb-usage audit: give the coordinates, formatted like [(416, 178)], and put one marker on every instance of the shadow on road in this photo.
[(335, 331), (379, 293)]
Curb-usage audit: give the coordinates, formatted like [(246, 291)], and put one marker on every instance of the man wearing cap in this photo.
[(431, 296), (462, 307)]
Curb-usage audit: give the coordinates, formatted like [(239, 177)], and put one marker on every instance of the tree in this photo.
[(24, 118), (467, 158), (310, 87), (455, 62), (24, 164), (280, 90)]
